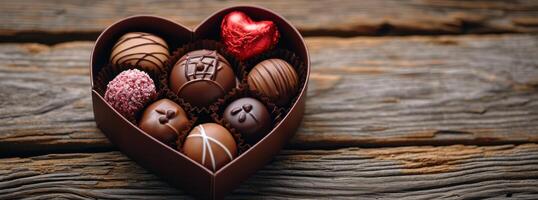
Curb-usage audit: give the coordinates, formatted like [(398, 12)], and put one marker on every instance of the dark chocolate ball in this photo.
[(211, 145), (164, 120), (274, 78), (249, 116), (200, 77)]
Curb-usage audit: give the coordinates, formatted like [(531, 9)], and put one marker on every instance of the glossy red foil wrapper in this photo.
[(245, 38)]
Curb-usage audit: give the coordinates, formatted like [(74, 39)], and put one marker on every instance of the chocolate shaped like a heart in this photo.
[(245, 38)]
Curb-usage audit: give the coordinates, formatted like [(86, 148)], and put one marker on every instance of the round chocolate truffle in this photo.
[(211, 145), (140, 49), (130, 91), (249, 116), (164, 120), (200, 77), (274, 78)]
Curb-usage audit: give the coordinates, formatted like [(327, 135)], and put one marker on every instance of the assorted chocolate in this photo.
[(164, 120), (201, 77), (130, 91), (274, 78), (140, 49), (197, 79), (248, 116), (245, 38), (211, 145)]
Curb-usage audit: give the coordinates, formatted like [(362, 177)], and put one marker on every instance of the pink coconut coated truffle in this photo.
[(130, 91)]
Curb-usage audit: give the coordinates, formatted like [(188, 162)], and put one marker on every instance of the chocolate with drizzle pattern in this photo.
[(274, 78), (140, 49)]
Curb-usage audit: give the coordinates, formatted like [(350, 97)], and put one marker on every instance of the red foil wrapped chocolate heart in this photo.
[(245, 38)]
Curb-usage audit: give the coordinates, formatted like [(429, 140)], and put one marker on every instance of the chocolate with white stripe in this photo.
[(211, 145)]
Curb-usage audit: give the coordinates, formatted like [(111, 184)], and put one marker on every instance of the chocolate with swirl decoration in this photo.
[(211, 145), (274, 78), (140, 49), (200, 77)]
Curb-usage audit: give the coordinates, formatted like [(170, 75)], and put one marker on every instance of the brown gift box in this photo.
[(167, 162)]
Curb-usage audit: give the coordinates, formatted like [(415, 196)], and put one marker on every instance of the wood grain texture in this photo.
[(365, 91), (45, 100), (453, 172), (60, 20), (422, 90)]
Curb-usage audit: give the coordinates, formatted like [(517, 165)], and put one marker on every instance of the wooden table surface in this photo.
[(411, 99)]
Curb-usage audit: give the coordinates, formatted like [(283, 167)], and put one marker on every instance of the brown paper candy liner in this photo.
[(236, 65), (110, 71)]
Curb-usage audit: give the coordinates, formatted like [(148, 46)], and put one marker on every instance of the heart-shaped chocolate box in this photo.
[(167, 162)]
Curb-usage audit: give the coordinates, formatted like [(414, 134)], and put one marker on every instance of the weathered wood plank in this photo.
[(454, 172), (422, 90), (364, 92), (60, 20)]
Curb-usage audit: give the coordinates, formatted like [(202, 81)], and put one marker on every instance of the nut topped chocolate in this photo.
[(200, 77), (274, 78), (249, 116), (211, 145), (140, 49), (164, 120)]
